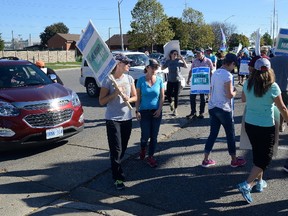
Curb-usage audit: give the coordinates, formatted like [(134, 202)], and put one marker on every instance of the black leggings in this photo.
[(173, 91), (262, 140)]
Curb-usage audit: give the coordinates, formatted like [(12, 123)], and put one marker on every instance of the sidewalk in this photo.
[(179, 185)]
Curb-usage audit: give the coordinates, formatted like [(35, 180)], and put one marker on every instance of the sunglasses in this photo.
[(125, 62)]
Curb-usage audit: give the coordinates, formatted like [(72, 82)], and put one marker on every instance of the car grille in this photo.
[(45, 106), (49, 119)]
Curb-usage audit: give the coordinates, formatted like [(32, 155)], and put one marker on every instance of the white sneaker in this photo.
[(175, 113)]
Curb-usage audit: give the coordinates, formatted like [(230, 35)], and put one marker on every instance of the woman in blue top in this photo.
[(260, 93), (150, 99)]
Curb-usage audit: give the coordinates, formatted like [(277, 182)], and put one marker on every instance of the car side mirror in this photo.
[(53, 77)]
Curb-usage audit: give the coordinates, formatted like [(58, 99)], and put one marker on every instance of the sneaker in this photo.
[(245, 190), (142, 153), (151, 161), (201, 116), (191, 116), (119, 185), (260, 185), (238, 163), (285, 168), (175, 113), (172, 106), (208, 163), (282, 128)]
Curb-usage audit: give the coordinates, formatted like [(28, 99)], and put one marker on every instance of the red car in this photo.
[(33, 109)]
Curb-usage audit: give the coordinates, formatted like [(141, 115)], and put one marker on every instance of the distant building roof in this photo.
[(69, 37), (115, 40)]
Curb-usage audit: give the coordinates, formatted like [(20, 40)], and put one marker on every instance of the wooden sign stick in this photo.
[(120, 93)]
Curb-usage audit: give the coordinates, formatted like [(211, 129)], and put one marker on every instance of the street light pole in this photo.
[(228, 18), (120, 25)]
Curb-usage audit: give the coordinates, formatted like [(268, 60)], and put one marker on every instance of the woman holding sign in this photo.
[(173, 64), (118, 115)]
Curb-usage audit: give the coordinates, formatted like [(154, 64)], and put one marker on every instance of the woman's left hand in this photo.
[(157, 113)]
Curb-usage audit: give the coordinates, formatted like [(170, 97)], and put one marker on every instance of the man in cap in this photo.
[(200, 61)]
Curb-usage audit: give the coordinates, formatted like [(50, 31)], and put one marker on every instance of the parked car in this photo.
[(188, 55), (34, 110), (158, 56), (136, 70)]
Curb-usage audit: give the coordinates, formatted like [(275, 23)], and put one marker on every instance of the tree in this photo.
[(1, 43), (228, 29), (149, 25), (180, 30), (51, 30), (235, 39), (200, 34), (266, 39)]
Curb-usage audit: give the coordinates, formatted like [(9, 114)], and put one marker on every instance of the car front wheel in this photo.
[(92, 88)]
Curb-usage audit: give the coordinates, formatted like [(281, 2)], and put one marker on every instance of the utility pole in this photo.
[(273, 26), (120, 25)]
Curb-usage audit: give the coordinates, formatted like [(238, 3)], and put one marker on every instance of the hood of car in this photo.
[(34, 93)]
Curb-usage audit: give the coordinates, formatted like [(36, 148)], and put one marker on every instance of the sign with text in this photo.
[(200, 81), (171, 45), (281, 47), (244, 68), (96, 52)]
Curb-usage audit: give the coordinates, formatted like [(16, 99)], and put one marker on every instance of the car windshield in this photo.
[(138, 59), (13, 76)]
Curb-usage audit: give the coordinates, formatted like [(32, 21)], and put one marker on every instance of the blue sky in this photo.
[(29, 18)]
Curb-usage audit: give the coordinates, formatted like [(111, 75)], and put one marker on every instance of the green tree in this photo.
[(267, 40), (149, 25), (235, 39), (51, 30), (1, 43), (181, 31), (227, 28), (200, 34)]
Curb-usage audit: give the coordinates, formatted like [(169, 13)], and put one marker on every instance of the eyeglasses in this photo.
[(175, 54), (125, 62)]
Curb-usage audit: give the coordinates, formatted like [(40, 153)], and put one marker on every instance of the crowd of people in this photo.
[(265, 87)]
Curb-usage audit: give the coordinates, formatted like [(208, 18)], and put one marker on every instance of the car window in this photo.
[(138, 59), (22, 75)]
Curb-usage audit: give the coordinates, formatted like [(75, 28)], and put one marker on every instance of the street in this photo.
[(73, 177)]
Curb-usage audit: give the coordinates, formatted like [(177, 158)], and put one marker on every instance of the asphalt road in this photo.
[(73, 177)]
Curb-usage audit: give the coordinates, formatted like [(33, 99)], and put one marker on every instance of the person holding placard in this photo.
[(118, 115), (174, 63), (261, 93), (150, 99), (220, 111), (200, 62)]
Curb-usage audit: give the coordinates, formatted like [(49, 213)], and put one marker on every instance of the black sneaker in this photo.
[(191, 116), (119, 185), (201, 116)]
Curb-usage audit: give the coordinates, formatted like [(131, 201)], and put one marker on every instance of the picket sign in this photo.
[(98, 56)]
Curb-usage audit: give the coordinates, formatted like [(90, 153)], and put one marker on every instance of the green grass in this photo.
[(63, 65)]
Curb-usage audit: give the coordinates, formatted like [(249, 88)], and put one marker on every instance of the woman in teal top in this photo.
[(150, 93), (260, 93)]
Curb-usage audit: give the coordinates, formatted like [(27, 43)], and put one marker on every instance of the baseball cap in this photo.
[(262, 64), (230, 57), (197, 50), (209, 48), (40, 63), (152, 63), (122, 58)]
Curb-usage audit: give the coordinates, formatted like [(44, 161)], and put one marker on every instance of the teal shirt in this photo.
[(260, 110), (150, 96)]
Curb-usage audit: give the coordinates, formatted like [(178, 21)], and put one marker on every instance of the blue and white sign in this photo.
[(244, 68), (96, 52), (200, 81), (281, 47)]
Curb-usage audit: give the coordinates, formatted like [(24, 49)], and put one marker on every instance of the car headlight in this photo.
[(7, 109), (75, 100)]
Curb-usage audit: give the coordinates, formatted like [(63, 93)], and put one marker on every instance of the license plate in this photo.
[(54, 132)]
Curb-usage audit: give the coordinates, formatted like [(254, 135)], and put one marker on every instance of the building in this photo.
[(63, 41), (114, 43)]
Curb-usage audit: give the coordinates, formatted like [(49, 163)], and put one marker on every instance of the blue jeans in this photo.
[(220, 117), (149, 130)]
